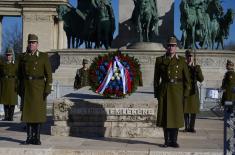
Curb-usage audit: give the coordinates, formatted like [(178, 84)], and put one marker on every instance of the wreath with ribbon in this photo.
[(115, 75)]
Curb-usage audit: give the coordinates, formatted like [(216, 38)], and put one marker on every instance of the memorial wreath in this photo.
[(115, 75)]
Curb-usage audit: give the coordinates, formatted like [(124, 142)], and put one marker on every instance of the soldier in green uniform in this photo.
[(36, 80), (8, 84), (228, 84), (192, 103), (171, 85), (82, 76)]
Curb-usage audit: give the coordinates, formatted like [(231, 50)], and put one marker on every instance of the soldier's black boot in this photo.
[(173, 137), (166, 137), (36, 138), (11, 112), (186, 122), (29, 134), (192, 123), (6, 113)]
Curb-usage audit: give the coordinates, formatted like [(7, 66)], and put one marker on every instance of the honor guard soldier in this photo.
[(8, 84), (192, 103), (82, 76), (36, 80), (228, 83), (171, 85)]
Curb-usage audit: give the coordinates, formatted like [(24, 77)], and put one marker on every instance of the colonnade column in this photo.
[(1, 17)]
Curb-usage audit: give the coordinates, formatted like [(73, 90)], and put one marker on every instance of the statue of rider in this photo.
[(105, 22)]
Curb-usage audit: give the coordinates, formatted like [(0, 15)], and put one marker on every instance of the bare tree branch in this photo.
[(13, 38)]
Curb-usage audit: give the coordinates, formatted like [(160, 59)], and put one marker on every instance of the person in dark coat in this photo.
[(82, 76), (36, 80), (228, 83), (9, 84), (192, 103), (171, 85)]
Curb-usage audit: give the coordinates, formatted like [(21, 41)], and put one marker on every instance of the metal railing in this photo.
[(229, 128)]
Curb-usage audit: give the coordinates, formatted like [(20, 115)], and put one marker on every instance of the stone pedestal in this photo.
[(146, 45), (87, 114)]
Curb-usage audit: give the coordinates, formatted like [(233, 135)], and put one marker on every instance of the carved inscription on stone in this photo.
[(114, 111), (37, 18)]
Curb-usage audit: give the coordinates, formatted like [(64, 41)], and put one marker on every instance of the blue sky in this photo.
[(9, 22)]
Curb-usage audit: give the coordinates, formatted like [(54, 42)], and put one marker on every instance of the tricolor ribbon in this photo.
[(126, 81), (106, 80)]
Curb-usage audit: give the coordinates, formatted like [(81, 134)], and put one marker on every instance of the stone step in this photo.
[(59, 151)]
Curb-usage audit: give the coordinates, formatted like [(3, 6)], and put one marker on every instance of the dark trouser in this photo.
[(189, 120), (33, 133), (170, 136), (9, 112)]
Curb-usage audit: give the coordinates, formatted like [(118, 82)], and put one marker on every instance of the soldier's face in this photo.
[(9, 57), (85, 65), (171, 49), (32, 46), (189, 58)]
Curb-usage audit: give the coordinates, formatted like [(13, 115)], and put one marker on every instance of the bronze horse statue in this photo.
[(84, 27), (201, 28), (73, 22), (224, 25)]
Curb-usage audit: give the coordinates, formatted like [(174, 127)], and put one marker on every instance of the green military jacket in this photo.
[(8, 82), (228, 85), (36, 80), (192, 103), (171, 85), (81, 78)]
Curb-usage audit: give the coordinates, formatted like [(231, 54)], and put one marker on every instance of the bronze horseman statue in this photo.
[(92, 22), (204, 22)]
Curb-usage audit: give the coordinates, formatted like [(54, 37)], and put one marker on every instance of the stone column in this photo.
[(60, 35), (1, 17)]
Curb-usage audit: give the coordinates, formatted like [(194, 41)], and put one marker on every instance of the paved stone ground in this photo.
[(206, 141)]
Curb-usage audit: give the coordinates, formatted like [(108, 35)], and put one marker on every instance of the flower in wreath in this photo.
[(115, 74)]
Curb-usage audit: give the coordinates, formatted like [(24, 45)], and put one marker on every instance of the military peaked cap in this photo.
[(85, 61), (9, 51), (230, 63), (32, 37), (188, 52), (172, 41)]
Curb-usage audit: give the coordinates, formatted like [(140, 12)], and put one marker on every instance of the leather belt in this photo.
[(175, 81), (34, 77)]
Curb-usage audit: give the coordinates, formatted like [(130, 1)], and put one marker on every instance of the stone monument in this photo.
[(39, 17), (80, 114)]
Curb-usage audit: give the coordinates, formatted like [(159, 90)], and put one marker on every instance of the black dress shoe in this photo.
[(174, 144), (186, 130), (36, 142), (166, 144), (27, 142), (192, 130)]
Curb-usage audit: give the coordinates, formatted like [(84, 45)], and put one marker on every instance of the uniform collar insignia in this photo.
[(37, 53), (10, 62), (176, 55)]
